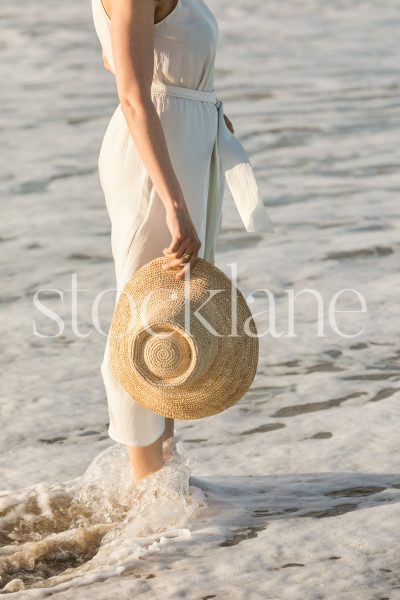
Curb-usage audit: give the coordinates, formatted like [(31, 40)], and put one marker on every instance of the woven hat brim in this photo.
[(234, 365)]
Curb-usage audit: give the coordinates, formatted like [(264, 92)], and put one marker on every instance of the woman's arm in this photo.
[(132, 30)]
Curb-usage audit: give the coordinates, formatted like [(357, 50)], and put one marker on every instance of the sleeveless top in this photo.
[(185, 44)]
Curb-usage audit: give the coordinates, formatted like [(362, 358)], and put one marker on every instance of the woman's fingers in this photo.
[(177, 262), (186, 266), (174, 245), (186, 247), (181, 249), (183, 262), (181, 275)]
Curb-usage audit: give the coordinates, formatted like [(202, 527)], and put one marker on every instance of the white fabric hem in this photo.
[(131, 441)]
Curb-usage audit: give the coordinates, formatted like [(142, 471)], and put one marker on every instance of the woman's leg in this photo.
[(169, 429), (148, 459)]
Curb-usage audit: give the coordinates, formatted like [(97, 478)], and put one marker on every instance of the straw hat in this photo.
[(173, 360)]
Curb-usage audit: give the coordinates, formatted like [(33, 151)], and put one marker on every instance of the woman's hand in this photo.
[(184, 240), (229, 124)]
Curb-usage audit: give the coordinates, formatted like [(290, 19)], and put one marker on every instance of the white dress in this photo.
[(204, 155)]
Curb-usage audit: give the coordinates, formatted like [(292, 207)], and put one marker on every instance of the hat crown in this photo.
[(167, 354)]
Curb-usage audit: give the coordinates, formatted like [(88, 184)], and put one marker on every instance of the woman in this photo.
[(160, 168)]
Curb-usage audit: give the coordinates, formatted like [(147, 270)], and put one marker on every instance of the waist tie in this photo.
[(235, 162)]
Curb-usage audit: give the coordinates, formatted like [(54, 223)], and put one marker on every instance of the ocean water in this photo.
[(293, 492)]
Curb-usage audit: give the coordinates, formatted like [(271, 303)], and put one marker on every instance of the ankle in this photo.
[(138, 474)]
